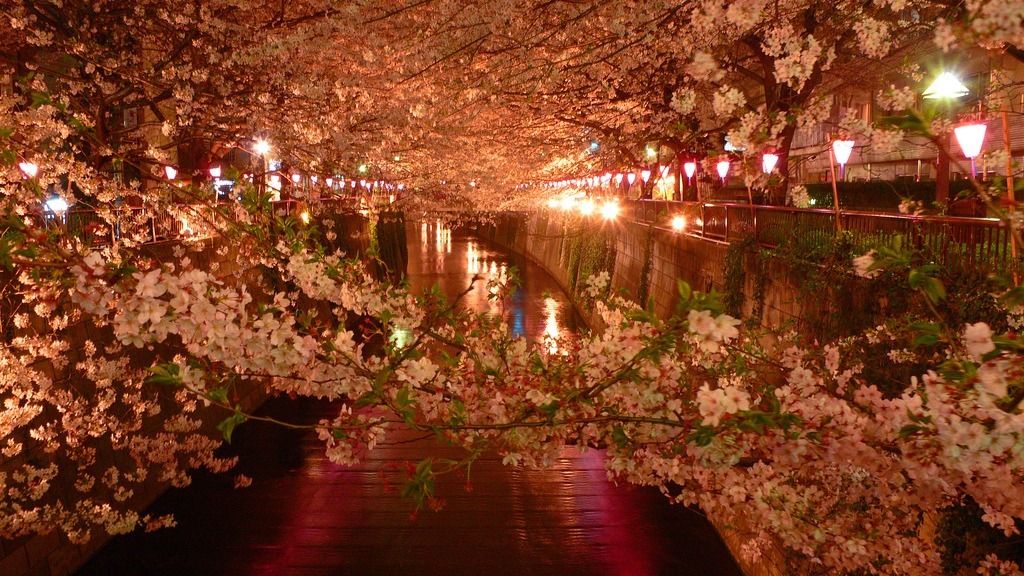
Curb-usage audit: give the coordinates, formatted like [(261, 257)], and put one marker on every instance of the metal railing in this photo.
[(981, 243), (167, 223)]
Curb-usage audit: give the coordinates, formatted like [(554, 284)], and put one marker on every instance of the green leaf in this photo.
[(702, 435), (165, 375), (910, 430), (219, 395), (620, 437), (227, 426), (368, 399)]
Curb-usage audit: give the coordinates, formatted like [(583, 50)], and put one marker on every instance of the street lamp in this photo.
[(970, 137), (261, 147), (842, 149), (945, 86)]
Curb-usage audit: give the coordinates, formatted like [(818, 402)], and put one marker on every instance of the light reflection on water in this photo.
[(538, 310)]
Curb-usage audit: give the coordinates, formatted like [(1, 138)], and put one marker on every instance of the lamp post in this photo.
[(261, 148), (945, 89)]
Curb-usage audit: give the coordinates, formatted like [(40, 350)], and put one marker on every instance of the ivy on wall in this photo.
[(587, 252)]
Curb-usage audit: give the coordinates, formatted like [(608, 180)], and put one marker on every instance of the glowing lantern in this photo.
[(690, 168), (170, 172), (768, 162), (842, 149), (645, 175), (296, 177), (970, 138), (214, 171), (631, 177), (723, 169)]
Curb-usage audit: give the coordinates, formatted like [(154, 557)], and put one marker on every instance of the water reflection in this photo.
[(537, 310), (551, 331), (305, 515)]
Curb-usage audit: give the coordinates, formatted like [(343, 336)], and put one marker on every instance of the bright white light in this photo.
[(970, 138), (215, 172), (645, 175), (609, 210), (329, 182), (56, 204), (618, 179), (567, 203), (631, 177), (690, 168), (842, 150), (170, 172), (945, 86), (723, 169), (304, 216), (768, 162), (296, 177), (587, 207), (261, 147), (678, 223), (651, 152), (30, 169), (553, 203), (313, 179)]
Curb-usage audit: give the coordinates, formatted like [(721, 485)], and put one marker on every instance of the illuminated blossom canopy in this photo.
[(119, 348)]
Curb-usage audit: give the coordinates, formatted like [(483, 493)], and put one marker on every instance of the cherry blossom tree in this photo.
[(114, 353)]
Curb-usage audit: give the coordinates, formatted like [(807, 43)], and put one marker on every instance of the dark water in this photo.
[(304, 515)]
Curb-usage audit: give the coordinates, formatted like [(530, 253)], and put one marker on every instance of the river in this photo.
[(304, 515)]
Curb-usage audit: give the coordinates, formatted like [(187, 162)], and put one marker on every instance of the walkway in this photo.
[(306, 516)]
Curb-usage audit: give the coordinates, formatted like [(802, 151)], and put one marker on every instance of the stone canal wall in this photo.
[(648, 262)]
